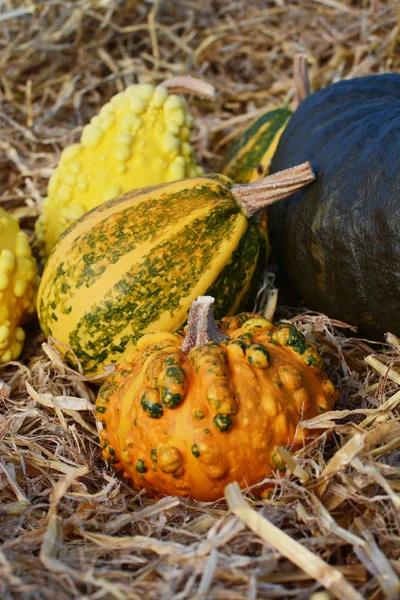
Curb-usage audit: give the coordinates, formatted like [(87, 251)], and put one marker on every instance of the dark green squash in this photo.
[(338, 240)]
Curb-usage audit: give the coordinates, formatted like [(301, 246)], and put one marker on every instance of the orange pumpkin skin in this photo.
[(235, 402)]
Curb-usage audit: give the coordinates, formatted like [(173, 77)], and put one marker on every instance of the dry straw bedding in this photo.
[(69, 528)]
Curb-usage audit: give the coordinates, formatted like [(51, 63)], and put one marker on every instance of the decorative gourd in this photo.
[(190, 414), (139, 138), (249, 157), (339, 240), (133, 265), (18, 286)]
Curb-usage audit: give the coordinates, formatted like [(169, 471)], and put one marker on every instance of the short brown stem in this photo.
[(201, 327), (301, 80), (257, 195), (185, 84)]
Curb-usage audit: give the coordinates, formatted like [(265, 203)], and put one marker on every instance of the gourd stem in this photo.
[(301, 80), (255, 196), (201, 327), (189, 85)]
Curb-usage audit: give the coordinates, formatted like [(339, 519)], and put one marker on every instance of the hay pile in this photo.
[(69, 528)]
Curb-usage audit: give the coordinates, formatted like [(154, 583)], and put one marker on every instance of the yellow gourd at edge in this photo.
[(18, 286), (139, 138)]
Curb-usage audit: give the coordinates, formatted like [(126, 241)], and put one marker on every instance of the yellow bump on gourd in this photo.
[(106, 110), (159, 97), (122, 152), (65, 192), (82, 186), (145, 91), (74, 167), (125, 139), (173, 127), (170, 143), (4, 281), (176, 170), (91, 135), (7, 356), (22, 248), (185, 133), (138, 105), (106, 122), (172, 102), (7, 260), (186, 149), (18, 285), (72, 212), (112, 192), (19, 334), (4, 333), (70, 152), (70, 178), (133, 142)]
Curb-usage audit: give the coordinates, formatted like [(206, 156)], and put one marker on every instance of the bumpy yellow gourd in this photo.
[(18, 285), (139, 138)]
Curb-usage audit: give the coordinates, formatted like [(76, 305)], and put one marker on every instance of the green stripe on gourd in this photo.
[(241, 277), (111, 239), (107, 326), (250, 155)]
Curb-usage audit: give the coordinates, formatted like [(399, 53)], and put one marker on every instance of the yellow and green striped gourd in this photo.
[(133, 265), (249, 157)]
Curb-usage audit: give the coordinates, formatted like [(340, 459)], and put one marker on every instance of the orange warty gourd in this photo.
[(191, 413)]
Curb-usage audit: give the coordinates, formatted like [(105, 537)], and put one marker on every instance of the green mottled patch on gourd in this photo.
[(112, 459), (174, 375), (154, 455), (254, 325), (246, 265), (222, 422), (141, 466), (238, 343), (257, 139), (278, 462), (132, 226), (172, 360), (258, 356), (195, 451), (198, 414), (167, 268), (170, 399), (246, 339), (152, 408)]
